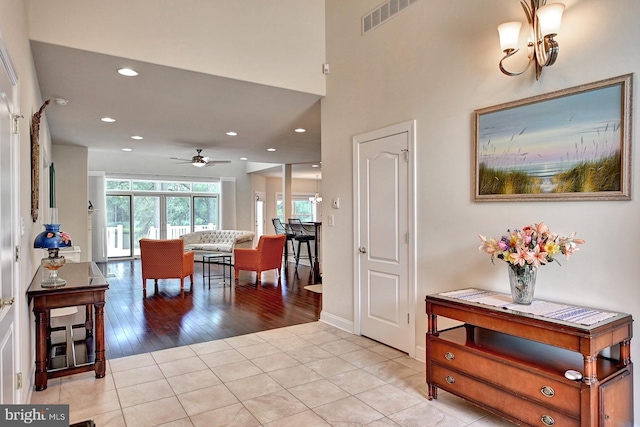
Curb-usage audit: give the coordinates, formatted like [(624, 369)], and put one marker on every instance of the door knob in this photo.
[(362, 250)]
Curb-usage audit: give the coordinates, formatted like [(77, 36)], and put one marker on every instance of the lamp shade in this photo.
[(509, 35), (549, 18), (52, 238)]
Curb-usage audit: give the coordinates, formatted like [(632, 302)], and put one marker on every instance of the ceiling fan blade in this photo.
[(182, 160), (216, 162)]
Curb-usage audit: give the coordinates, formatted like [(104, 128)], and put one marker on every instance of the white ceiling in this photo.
[(176, 111)]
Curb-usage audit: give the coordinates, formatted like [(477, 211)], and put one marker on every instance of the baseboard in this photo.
[(28, 386), (337, 322), (421, 354)]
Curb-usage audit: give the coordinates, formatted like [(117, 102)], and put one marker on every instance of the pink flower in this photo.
[(64, 237), (542, 228), (537, 258), (489, 246), (519, 257)]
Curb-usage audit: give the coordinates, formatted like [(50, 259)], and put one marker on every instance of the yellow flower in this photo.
[(552, 248)]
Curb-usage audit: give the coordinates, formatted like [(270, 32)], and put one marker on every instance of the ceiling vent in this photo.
[(383, 13)]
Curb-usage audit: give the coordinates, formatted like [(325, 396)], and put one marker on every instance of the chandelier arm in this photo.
[(509, 73), (528, 11), (547, 51)]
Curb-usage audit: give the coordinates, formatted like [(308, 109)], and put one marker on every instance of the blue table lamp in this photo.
[(52, 239)]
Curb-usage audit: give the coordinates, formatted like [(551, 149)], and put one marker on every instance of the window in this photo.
[(301, 207), (157, 209)]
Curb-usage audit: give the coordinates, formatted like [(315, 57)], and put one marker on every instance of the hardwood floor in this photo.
[(136, 324)]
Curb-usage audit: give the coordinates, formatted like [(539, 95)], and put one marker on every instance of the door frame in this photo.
[(408, 127), (262, 197), (16, 230)]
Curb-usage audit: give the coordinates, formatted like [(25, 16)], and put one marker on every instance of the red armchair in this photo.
[(266, 256), (165, 259)]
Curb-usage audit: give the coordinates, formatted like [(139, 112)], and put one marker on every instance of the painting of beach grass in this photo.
[(569, 145)]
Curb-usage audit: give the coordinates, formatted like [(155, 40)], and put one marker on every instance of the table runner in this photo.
[(567, 313)]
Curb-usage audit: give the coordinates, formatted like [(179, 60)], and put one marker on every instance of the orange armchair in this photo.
[(165, 259), (266, 256)]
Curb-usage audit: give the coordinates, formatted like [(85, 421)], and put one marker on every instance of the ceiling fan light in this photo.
[(199, 164)]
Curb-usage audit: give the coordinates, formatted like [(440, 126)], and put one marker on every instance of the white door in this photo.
[(383, 237), (8, 203), (261, 213)]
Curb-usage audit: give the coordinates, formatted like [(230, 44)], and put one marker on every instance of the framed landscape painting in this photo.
[(574, 144)]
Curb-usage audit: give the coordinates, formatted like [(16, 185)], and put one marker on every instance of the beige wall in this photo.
[(72, 194), (436, 63), (14, 32), (272, 42), (274, 186)]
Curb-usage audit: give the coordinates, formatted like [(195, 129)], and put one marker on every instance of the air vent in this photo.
[(383, 13)]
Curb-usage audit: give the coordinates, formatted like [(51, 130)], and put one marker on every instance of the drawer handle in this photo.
[(547, 420), (449, 356), (450, 379), (547, 391)]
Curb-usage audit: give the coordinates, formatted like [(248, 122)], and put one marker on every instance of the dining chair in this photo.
[(303, 233), (282, 228)]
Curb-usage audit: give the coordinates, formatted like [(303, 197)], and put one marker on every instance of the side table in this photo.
[(85, 286), (218, 258)]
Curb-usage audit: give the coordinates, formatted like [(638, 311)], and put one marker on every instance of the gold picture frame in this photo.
[(573, 144)]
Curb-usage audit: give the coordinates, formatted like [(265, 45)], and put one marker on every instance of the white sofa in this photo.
[(209, 241)]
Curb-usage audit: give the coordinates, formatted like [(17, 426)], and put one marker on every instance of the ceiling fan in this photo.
[(200, 161)]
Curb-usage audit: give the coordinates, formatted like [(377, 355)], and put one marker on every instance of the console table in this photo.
[(85, 286), (513, 364)]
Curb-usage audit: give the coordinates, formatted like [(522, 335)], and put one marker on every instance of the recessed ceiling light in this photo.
[(243, 158), (232, 133), (300, 130), (61, 101), (136, 137), (128, 72), (108, 120), (271, 149), (127, 149), (315, 166)]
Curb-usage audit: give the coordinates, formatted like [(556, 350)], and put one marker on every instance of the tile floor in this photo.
[(301, 376)]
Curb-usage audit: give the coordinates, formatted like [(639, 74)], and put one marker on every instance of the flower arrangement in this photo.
[(534, 245)]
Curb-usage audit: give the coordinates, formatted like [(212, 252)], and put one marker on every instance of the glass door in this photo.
[(205, 213), (178, 214), (118, 226), (146, 219)]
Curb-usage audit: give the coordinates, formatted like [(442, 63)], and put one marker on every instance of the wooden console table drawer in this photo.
[(502, 402), (515, 377)]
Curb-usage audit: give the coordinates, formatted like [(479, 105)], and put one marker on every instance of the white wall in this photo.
[(436, 63), (13, 27), (72, 194), (153, 167), (272, 42)]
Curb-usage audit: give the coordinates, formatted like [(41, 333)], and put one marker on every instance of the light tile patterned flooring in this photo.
[(301, 376)]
